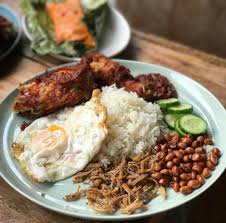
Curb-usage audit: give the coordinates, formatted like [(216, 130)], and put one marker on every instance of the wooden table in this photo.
[(206, 69)]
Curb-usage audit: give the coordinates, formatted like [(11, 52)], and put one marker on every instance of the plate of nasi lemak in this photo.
[(68, 29), (107, 139)]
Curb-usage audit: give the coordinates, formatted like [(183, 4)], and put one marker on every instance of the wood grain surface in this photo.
[(198, 23), (206, 69)]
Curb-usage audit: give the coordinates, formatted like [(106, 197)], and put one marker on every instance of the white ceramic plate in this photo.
[(115, 38), (50, 195)]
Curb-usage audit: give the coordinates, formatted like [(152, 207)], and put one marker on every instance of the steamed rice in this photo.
[(133, 124)]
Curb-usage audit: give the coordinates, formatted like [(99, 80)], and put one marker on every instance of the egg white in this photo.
[(59, 145)]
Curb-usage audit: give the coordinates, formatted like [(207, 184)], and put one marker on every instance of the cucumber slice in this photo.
[(165, 103), (171, 118), (180, 109), (193, 124), (178, 129)]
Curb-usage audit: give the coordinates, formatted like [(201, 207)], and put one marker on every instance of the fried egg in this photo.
[(55, 147)]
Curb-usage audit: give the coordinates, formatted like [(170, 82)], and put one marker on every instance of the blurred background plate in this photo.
[(12, 17), (116, 36)]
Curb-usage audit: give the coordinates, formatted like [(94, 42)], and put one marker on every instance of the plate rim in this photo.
[(119, 217), (72, 59)]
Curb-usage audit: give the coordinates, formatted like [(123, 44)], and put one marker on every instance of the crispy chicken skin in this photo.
[(151, 87), (55, 90), (69, 86), (107, 71)]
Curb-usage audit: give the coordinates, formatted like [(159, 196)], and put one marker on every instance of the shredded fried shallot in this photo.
[(126, 186), (75, 196)]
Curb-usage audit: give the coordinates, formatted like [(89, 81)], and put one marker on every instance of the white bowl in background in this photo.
[(115, 39)]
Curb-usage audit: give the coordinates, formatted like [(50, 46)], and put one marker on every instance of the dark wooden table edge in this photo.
[(213, 59)]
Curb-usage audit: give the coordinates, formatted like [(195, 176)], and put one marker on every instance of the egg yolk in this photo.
[(50, 140)]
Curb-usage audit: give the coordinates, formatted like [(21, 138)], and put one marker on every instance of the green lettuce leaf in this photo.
[(41, 28), (95, 16)]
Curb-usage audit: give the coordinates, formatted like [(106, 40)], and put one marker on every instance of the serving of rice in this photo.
[(133, 124)]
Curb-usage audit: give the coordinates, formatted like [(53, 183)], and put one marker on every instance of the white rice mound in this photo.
[(133, 124)]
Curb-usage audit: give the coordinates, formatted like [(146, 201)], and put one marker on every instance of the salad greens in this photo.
[(41, 28)]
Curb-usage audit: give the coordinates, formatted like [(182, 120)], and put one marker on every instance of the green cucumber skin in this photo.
[(169, 126), (165, 103), (174, 117), (202, 131), (178, 110), (178, 129)]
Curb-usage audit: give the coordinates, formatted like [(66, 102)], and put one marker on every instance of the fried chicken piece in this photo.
[(69, 86), (55, 90), (106, 71), (151, 87)]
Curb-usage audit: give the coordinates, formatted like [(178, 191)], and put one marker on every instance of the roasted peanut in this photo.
[(156, 176), (165, 172), (188, 164), (208, 141), (197, 168), (182, 145), (200, 179), (185, 190), (216, 151), (164, 147), (178, 154), (195, 144), (193, 175), (183, 183), (189, 175), (200, 150), (187, 141), (203, 157), (173, 146), (175, 171), (185, 177), (196, 157), (200, 163), (176, 187), (182, 151), (200, 139), (176, 179), (189, 150), (213, 158), (176, 161), (210, 165), (206, 172), (186, 167), (170, 156), (160, 155), (186, 158), (169, 164), (162, 163), (182, 163), (194, 184), (175, 138), (164, 182)]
